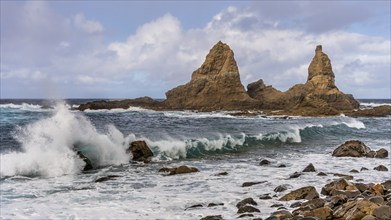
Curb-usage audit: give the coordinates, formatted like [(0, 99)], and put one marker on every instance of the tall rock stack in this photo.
[(214, 86)]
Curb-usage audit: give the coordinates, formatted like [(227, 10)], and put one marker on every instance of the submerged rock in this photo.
[(381, 168), (247, 184), (140, 151), (179, 170), (106, 178), (309, 168), (212, 217), (247, 208), (88, 164), (246, 201)]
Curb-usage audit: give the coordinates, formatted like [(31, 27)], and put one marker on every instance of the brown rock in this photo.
[(247, 184), (140, 151), (308, 193), (352, 148), (144, 102), (179, 170), (264, 162), (321, 174), (377, 199), (379, 111), (294, 175), (346, 177), (381, 168), (215, 204), (309, 168), (382, 212), (339, 184), (387, 185), (214, 86), (321, 213), (377, 189), (247, 208), (246, 201), (382, 153), (281, 188), (356, 209), (282, 214)]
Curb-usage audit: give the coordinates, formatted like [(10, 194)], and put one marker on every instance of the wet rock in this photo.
[(347, 177), (308, 193), (143, 102), (247, 208), (309, 168), (246, 201), (247, 184), (353, 171), (222, 174), (194, 206), (295, 204), (281, 188), (363, 169), (215, 204), (381, 168), (355, 148), (246, 215), (348, 193), (387, 185), (282, 214), (321, 213), (321, 174), (276, 205), (264, 162), (337, 200), (382, 212), (377, 199), (294, 175), (88, 164), (314, 203), (106, 178), (361, 186), (281, 166), (179, 170), (212, 217), (140, 151), (339, 184), (377, 189), (265, 197), (356, 209)]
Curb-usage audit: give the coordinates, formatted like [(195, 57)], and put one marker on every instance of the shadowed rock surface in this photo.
[(140, 151)]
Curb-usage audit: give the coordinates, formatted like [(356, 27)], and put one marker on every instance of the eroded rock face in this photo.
[(318, 96), (214, 86)]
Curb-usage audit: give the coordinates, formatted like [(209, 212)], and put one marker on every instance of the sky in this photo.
[(129, 49)]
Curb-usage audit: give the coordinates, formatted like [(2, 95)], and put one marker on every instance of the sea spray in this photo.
[(49, 146)]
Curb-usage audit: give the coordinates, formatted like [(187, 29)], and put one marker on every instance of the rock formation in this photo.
[(214, 86), (318, 96), (355, 148), (140, 151)]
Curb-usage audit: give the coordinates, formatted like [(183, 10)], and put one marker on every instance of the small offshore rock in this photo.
[(246, 201), (179, 170), (356, 148), (194, 206), (381, 168), (309, 168), (247, 184), (212, 217), (294, 175), (88, 164), (296, 204), (264, 162), (140, 151), (321, 174), (363, 168), (276, 205), (247, 208), (382, 153), (281, 188), (106, 178), (222, 174), (282, 214), (308, 193), (265, 197), (347, 177), (353, 171), (215, 204), (281, 166)]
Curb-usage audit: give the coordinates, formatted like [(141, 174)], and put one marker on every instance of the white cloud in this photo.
[(161, 54), (89, 26)]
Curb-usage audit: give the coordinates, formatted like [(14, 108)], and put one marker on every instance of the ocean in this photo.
[(42, 177)]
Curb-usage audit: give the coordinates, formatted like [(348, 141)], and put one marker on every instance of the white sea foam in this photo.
[(23, 106), (372, 104), (48, 146), (350, 122)]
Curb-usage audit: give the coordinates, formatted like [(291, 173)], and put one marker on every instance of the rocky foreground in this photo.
[(341, 198), (216, 86)]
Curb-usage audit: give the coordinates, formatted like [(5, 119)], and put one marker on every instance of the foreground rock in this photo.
[(140, 151), (355, 148), (214, 86), (308, 193), (179, 170)]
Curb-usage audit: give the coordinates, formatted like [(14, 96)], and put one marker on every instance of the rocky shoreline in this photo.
[(216, 86), (342, 197)]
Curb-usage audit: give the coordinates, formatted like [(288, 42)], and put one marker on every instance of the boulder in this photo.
[(215, 85), (246, 201), (212, 217), (281, 188), (356, 209), (247, 184), (381, 168), (321, 213), (247, 208), (339, 184), (215, 204), (382, 212), (282, 214), (179, 170), (309, 168), (88, 164), (308, 193), (264, 162), (353, 148), (294, 175), (140, 151)]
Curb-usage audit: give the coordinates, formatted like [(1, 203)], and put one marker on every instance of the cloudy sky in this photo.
[(127, 49)]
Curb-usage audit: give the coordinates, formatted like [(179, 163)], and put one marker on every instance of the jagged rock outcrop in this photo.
[(214, 86), (144, 102), (318, 96), (140, 151)]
